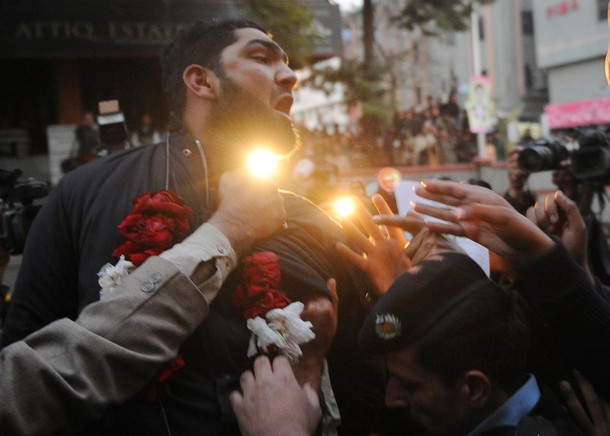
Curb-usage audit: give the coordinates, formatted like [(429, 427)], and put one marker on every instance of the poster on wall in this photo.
[(480, 107)]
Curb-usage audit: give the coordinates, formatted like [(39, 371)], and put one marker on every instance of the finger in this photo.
[(575, 408), (281, 365), (237, 402), (356, 236), (414, 244), (381, 205), (439, 212), (384, 209), (312, 396), (449, 228), (332, 288), (539, 217), (262, 366), (550, 209), (570, 208), (246, 381), (446, 192), (366, 219), (412, 224), (591, 398), (353, 257)]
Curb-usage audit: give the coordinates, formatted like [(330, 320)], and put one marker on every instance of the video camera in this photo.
[(590, 161), (17, 208), (113, 130)]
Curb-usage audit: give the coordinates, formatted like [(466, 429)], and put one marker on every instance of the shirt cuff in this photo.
[(204, 244)]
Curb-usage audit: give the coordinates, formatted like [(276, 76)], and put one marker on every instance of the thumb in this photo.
[(312, 396), (568, 206)]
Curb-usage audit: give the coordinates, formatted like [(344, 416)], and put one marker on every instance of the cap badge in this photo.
[(387, 326)]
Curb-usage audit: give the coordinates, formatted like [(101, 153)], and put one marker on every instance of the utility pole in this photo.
[(476, 61)]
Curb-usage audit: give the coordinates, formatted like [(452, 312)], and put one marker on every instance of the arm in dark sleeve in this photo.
[(572, 315), (46, 287)]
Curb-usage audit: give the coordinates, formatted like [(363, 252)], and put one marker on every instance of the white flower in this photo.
[(284, 329), (111, 276)]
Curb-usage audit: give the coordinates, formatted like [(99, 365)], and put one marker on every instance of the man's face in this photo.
[(440, 409), (255, 96)]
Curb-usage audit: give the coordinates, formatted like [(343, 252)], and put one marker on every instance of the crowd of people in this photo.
[(163, 291), (435, 135)]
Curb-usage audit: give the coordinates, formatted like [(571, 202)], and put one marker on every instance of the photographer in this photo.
[(517, 194), (580, 174)]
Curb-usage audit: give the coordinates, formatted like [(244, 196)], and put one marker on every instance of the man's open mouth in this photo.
[(284, 104)]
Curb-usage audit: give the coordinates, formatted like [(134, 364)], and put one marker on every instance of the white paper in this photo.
[(405, 194)]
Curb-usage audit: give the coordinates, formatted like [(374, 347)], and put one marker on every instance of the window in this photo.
[(602, 10), (527, 22)]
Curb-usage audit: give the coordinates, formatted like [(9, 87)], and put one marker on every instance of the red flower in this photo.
[(161, 202), (270, 300), (258, 292), (158, 387), (157, 221)]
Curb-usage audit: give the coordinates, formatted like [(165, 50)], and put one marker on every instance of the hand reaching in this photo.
[(382, 255), (424, 242), (483, 216), (323, 314), (273, 403), (597, 421), (560, 215), (249, 210)]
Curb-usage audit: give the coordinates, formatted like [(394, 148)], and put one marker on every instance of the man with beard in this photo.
[(229, 87)]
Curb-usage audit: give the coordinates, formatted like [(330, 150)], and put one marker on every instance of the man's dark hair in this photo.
[(200, 43), (486, 331)]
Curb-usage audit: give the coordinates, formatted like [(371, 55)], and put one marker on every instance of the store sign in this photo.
[(122, 28), (561, 8), (578, 113)]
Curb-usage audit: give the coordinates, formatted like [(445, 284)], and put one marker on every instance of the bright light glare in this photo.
[(262, 163), (345, 206)]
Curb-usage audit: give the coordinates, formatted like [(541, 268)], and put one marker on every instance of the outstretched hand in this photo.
[(483, 216), (560, 215), (273, 403), (381, 255), (424, 242), (597, 421), (323, 314)]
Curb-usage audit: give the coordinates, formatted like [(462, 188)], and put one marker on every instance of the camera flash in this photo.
[(262, 163)]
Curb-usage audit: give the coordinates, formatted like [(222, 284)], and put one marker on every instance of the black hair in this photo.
[(201, 43), (486, 331)]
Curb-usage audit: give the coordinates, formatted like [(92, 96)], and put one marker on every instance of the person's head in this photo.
[(88, 118), (201, 44), (230, 84), (455, 343), (517, 178)]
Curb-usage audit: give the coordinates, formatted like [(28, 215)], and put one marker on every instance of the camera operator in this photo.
[(517, 194), (580, 174), (17, 211)]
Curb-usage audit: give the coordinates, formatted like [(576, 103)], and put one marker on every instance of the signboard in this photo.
[(578, 113), (34, 29), (480, 108)]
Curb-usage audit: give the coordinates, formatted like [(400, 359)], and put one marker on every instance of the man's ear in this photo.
[(477, 388), (201, 81)]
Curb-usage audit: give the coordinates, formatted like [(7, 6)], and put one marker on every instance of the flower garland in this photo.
[(157, 221), (275, 322), (160, 219)]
